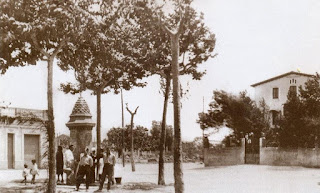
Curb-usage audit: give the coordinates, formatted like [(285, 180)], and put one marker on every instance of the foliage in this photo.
[(180, 34), (300, 123), (29, 30), (155, 136), (104, 57), (292, 133), (196, 41), (143, 139), (192, 150), (140, 139), (239, 113)]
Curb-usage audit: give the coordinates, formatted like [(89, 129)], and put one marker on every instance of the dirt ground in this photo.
[(197, 178)]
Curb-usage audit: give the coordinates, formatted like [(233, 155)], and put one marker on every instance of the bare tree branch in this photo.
[(132, 113)]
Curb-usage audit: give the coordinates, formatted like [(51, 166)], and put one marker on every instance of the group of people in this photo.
[(64, 161), (33, 171), (88, 164)]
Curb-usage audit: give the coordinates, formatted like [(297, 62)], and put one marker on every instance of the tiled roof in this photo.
[(80, 117), (81, 107), (280, 76)]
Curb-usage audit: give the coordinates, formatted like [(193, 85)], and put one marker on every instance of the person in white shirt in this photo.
[(25, 174), (69, 164), (109, 162), (68, 157), (34, 171), (86, 162)]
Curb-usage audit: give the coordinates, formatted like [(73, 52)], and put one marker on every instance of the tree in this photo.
[(299, 127), (104, 57), (239, 113), (310, 97), (38, 30), (115, 137), (141, 138), (132, 113), (156, 135), (292, 133), (269, 133), (192, 149), (182, 35)]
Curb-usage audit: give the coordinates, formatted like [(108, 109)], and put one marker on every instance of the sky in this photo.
[(256, 40)]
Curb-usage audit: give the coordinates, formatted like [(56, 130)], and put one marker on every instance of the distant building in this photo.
[(274, 91), (22, 137)]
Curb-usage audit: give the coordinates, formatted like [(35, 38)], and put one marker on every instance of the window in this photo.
[(275, 115), (293, 90), (275, 93)]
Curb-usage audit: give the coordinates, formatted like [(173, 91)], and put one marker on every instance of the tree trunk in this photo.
[(131, 157), (161, 180), (98, 125), (122, 124), (51, 131), (178, 173)]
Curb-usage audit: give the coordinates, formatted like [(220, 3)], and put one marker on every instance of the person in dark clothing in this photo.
[(109, 161), (85, 165), (59, 163), (93, 173)]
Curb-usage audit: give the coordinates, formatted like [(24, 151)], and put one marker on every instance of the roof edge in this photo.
[(280, 76)]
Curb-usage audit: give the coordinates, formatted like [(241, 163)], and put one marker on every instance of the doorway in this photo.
[(10, 151), (252, 150), (31, 149)]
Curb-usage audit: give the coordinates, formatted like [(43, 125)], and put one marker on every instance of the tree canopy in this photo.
[(237, 112), (155, 136), (104, 57), (36, 30), (140, 139)]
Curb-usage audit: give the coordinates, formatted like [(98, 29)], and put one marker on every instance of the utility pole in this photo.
[(123, 160), (203, 113), (202, 129), (203, 104)]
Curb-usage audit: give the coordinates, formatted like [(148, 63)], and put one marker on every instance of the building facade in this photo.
[(22, 137), (274, 91)]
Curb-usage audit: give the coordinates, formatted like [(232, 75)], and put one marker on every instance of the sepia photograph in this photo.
[(160, 96)]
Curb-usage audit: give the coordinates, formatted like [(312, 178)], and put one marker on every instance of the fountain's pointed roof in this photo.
[(80, 115), (81, 108)]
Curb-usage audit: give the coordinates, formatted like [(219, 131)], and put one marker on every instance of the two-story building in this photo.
[(22, 137), (274, 91)]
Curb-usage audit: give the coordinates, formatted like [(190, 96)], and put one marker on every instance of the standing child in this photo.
[(25, 174), (34, 171)]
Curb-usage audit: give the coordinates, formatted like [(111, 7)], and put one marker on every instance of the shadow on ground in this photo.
[(141, 186)]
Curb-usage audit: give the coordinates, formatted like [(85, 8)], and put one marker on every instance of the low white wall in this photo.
[(307, 157), (224, 156)]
